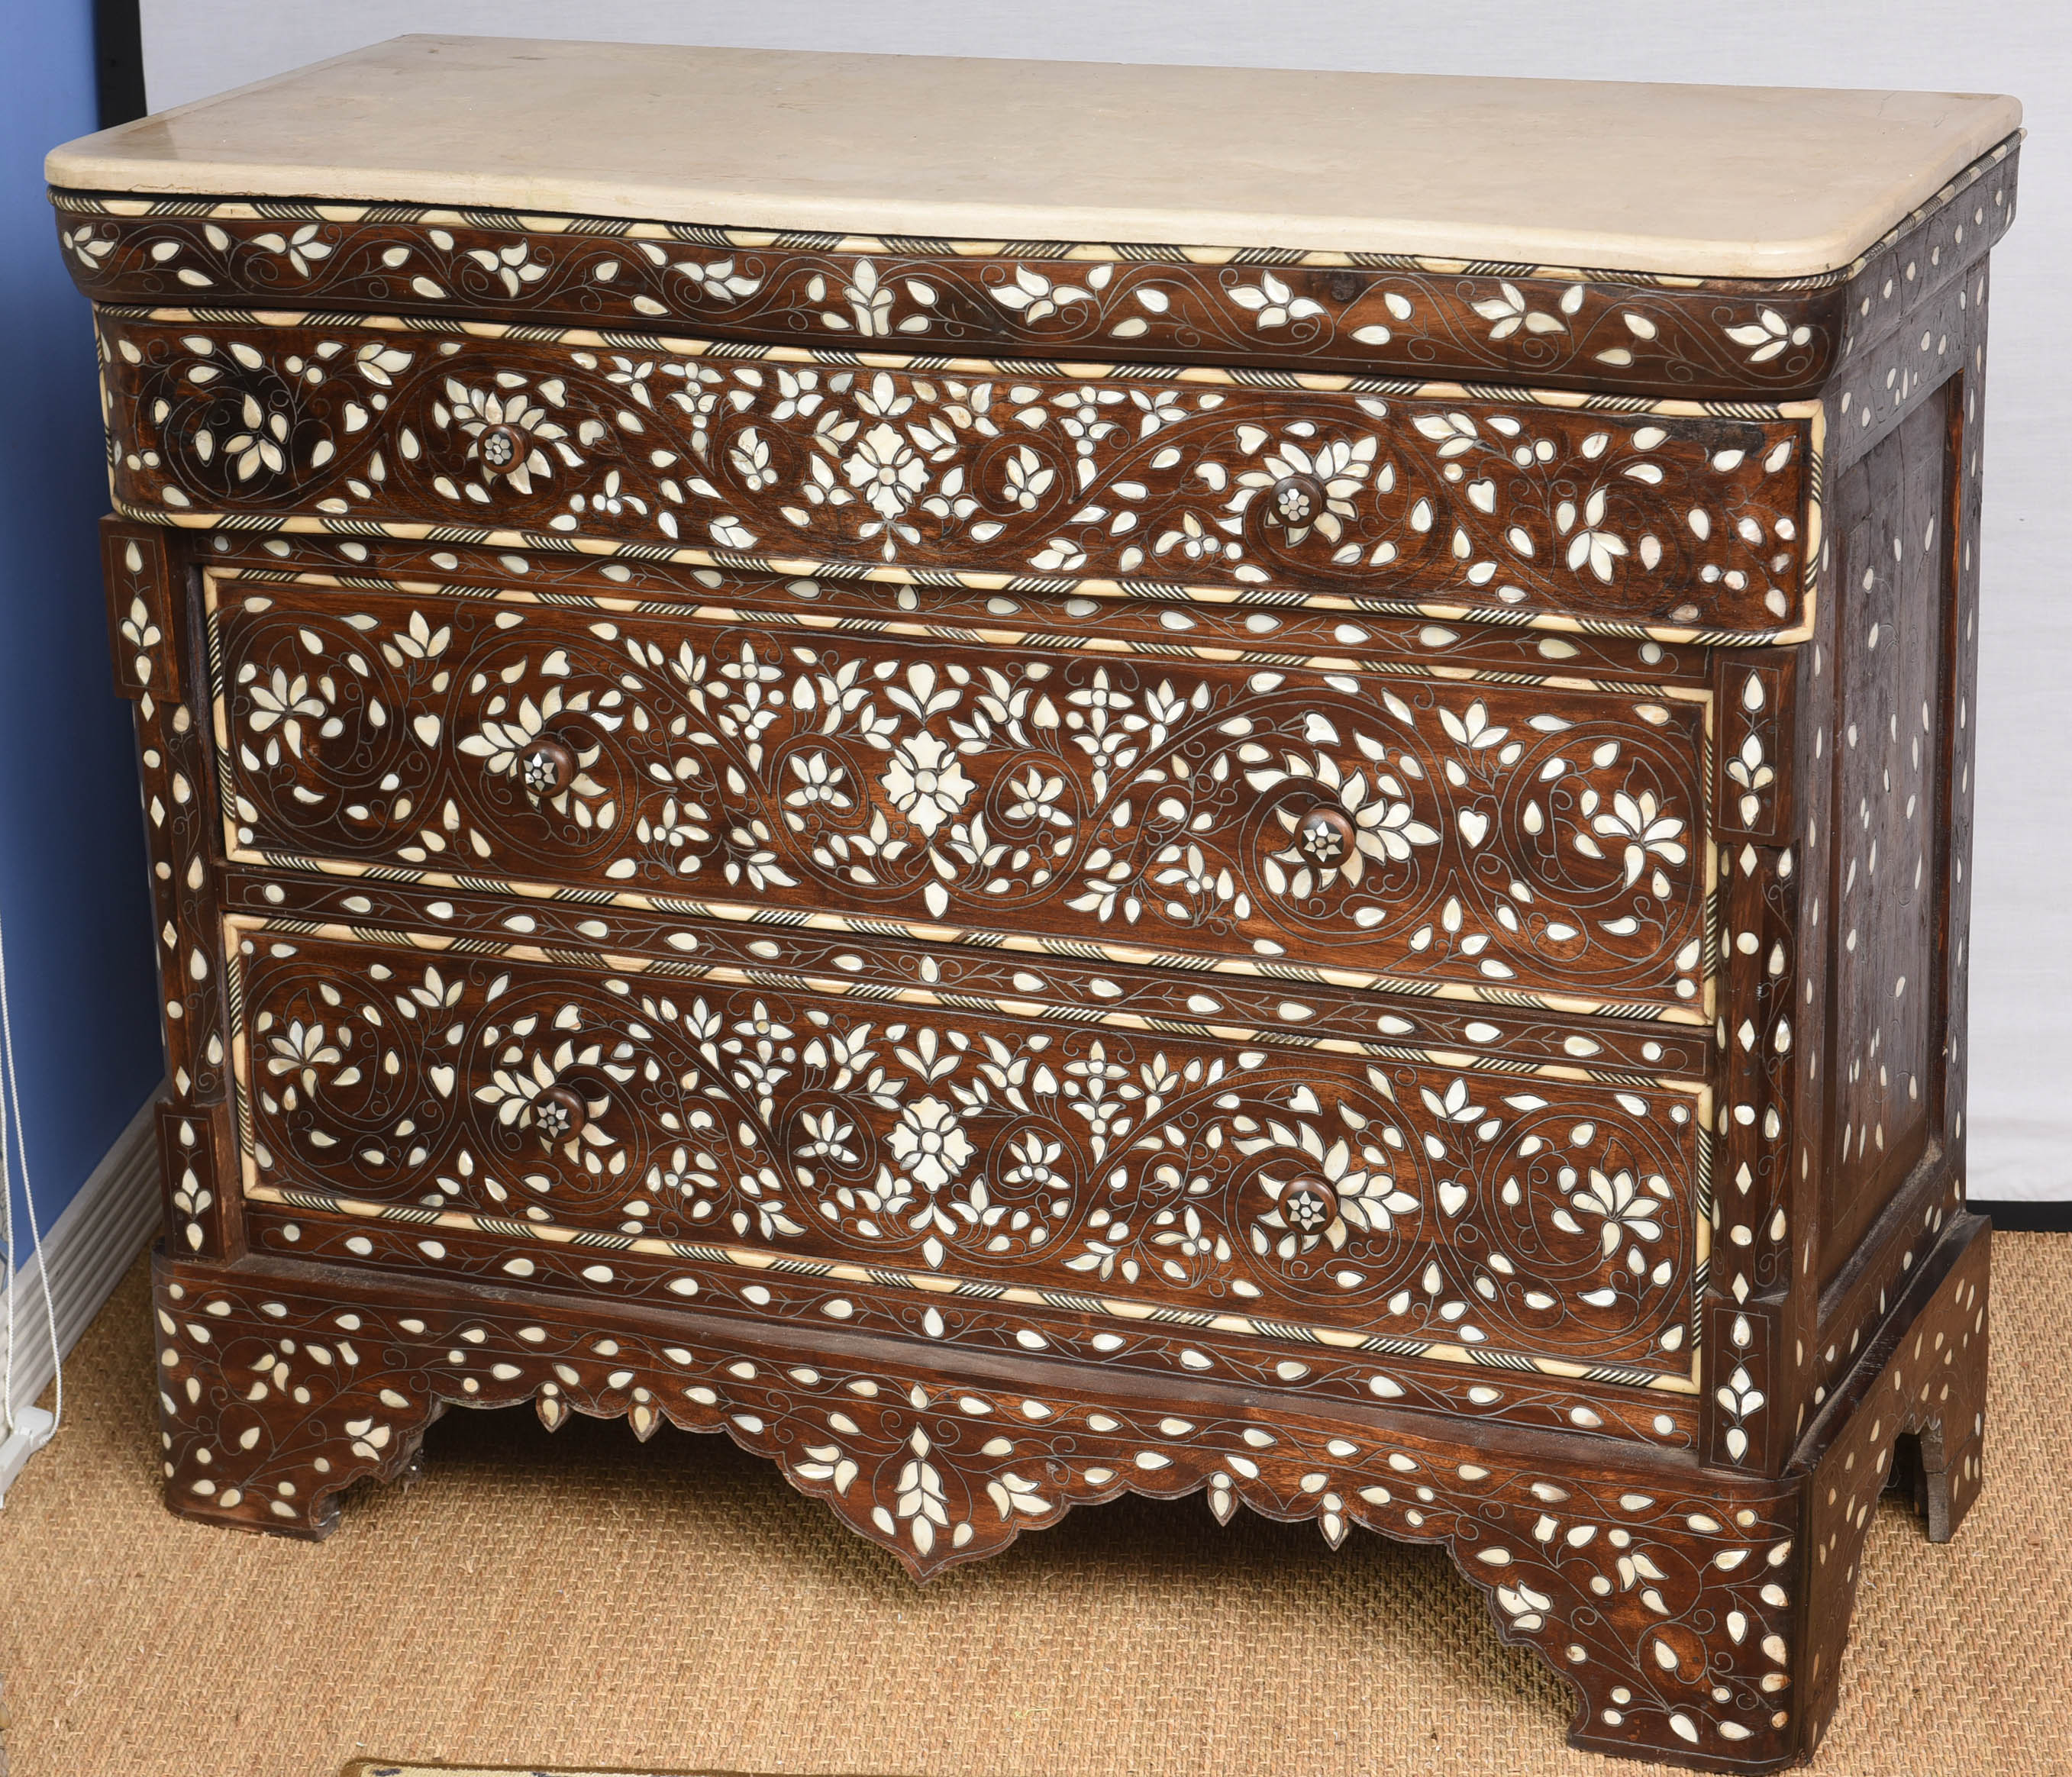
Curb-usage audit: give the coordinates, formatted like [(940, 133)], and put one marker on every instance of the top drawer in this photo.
[(1669, 519)]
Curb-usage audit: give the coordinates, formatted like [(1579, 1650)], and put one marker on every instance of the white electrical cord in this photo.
[(10, 1078)]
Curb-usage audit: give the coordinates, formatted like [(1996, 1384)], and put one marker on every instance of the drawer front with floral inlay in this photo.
[(1124, 478), (1419, 1203), (1600, 332), (1381, 825)]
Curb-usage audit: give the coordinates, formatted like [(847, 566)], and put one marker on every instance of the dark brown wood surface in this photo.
[(1509, 840), (1275, 634), (1412, 1204), (1699, 1618), (148, 632), (1368, 314), (1578, 329), (1039, 473), (1896, 583), (1004, 930)]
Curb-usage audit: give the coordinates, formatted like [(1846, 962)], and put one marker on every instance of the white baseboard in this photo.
[(87, 1249)]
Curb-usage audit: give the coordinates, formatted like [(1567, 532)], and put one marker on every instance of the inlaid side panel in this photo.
[(1501, 841), (1895, 583), (1763, 941), (146, 578), (1544, 1215), (1970, 401)]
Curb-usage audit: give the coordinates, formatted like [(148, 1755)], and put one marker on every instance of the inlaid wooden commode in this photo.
[(1328, 867)]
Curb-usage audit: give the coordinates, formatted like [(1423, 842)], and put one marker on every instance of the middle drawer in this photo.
[(1368, 822)]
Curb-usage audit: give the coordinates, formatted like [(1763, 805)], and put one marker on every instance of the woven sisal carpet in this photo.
[(586, 1602), (379, 1767)]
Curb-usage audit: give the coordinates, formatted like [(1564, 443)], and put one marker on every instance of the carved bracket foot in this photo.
[(1924, 1379)]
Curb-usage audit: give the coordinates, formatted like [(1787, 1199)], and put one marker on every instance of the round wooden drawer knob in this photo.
[(1310, 1206), (502, 448), (546, 768), (558, 1114), (1325, 838)]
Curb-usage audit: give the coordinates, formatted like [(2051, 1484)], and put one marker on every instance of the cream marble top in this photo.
[(1761, 182)]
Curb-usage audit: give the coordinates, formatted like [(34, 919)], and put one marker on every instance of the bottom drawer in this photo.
[(1369, 1195)]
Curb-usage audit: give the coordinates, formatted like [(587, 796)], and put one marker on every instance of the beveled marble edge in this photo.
[(1767, 182)]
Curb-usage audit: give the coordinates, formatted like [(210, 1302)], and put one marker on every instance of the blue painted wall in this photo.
[(80, 969)]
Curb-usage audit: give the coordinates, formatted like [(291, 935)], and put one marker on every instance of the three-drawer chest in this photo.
[(1027, 780)]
